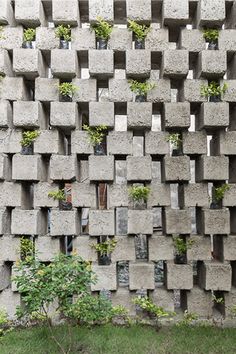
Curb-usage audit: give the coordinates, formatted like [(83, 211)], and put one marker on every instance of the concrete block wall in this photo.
[(136, 151)]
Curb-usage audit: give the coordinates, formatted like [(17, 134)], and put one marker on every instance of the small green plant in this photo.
[(63, 32), (29, 137), (210, 34), (138, 193), (140, 31), (188, 319), (27, 248), (4, 323), (57, 195), (96, 134), (29, 34), (140, 88), (219, 192), (175, 140), (67, 89), (181, 246), (147, 305), (213, 89), (217, 300), (105, 248), (102, 29)]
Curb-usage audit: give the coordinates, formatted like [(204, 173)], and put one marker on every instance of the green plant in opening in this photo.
[(63, 32), (211, 34), (188, 319), (67, 89), (29, 137), (27, 248), (213, 89), (140, 31), (147, 305), (140, 88), (219, 192), (181, 245), (29, 34), (106, 247), (102, 29), (175, 140), (57, 195), (96, 134), (138, 193)]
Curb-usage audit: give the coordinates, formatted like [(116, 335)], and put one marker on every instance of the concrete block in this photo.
[(211, 13), (214, 115), (12, 37), (5, 113), (194, 143), (29, 63), (28, 114), (64, 114), (125, 249), (176, 168), (6, 12), (83, 246), (161, 92), (64, 63), (119, 91), (47, 248), (106, 277), (101, 168), (192, 40), (159, 195), (5, 221), (64, 223), (177, 115), (226, 40), (141, 276), (41, 199), (67, 12), (118, 195), (46, 90), (101, 222), (212, 168), (10, 141), (120, 40), (229, 248), (83, 195), (191, 90), (104, 10), (215, 222), (225, 143), (9, 302), (87, 91), (164, 298), (139, 10), (27, 222), (5, 63), (212, 64), (80, 143), (63, 167), (175, 64), (29, 12), (101, 63), (138, 63), (194, 194), (119, 143), (27, 167), (175, 12), (160, 248), (177, 221), (83, 39), (215, 276), (139, 115), (179, 276), (140, 222), (229, 300), (10, 194), (139, 168), (46, 39), (124, 297), (157, 39), (199, 302), (229, 95), (13, 88), (156, 143), (101, 113), (229, 199), (200, 250), (48, 142), (9, 248)]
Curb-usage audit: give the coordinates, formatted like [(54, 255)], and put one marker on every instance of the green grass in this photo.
[(118, 340)]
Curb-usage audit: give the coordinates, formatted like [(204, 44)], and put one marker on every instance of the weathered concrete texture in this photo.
[(101, 168), (64, 11), (200, 248), (176, 168), (175, 12), (47, 248), (210, 12), (212, 64), (140, 221), (179, 276), (215, 276), (214, 115), (102, 222), (124, 250), (141, 276), (106, 277), (177, 115), (177, 221), (161, 248), (214, 168), (83, 195), (101, 113), (215, 221), (64, 223), (101, 63), (64, 114), (175, 64), (139, 115), (199, 302), (194, 194), (194, 143), (138, 64), (139, 168), (164, 298)]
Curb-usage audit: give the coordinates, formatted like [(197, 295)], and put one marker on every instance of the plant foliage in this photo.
[(96, 134), (141, 88), (188, 319), (147, 305), (139, 193), (29, 34), (63, 32), (140, 31), (211, 34), (181, 245), (27, 248), (175, 140), (219, 192), (29, 137), (105, 248), (67, 89), (213, 89), (102, 29), (57, 195)]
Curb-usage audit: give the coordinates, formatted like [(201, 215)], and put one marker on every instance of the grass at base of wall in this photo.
[(119, 340)]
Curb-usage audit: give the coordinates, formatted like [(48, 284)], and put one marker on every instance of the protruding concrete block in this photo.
[(194, 194), (80, 143), (101, 63), (12, 36), (5, 63), (118, 195), (139, 115), (229, 199), (83, 195), (156, 143), (199, 302), (215, 276), (46, 90), (226, 40), (10, 194), (83, 39), (177, 115), (106, 277), (101, 113), (159, 195), (124, 297), (28, 114), (41, 199), (10, 141), (161, 248), (140, 222), (175, 64), (46, 39), (214, 115), (215, 222), (10, 301), (29, 12), (120, 40), (64, 63), (124, 250), (63, 167), (119, 143), (138, 63), (4, 167), (87, 90), (9, 248), (177, 221), (161, 92), (175, 12), (47, 248), (48, 142), (176, 168), (157, 39), (139, 10), (200, 249), (212, 168), (192, 40), (6, 12), (28, 62), (164, 298), (27, 222), (101, 222), (229, 249), (83, 246), (179, 276), (64, 223), (101, 168), (229, 95), (212, 64), (27, 167), (119, 90), (141, 276), (13, 88), (139, 168), (67, 12), (104, 10), (64, 114), (191, 90), (211, 13), (194, 143)]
